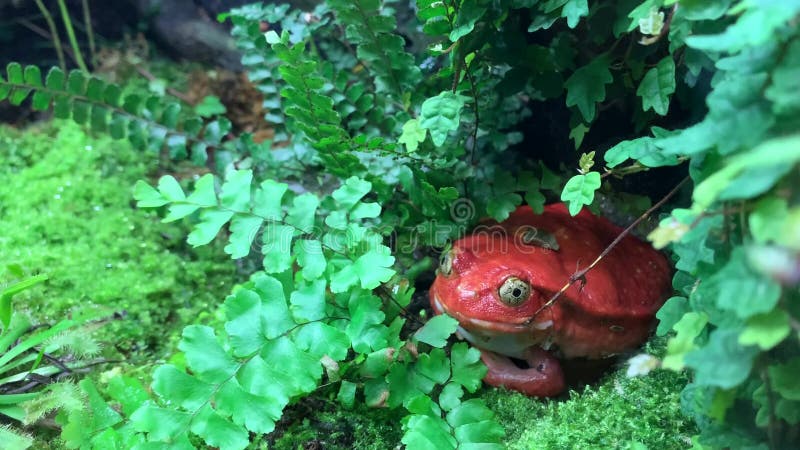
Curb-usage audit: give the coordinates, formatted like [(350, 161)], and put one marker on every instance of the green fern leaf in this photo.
[(657, 85), (586, 86), (244, 230), (579, 191), (467, 369), (310, 258), (441, 115), (267, 200), (436, 331), (276, 245)]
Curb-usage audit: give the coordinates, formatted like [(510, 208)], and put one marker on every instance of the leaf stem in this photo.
[(773, 422), (87, 22), (53, 34), (62, 6)]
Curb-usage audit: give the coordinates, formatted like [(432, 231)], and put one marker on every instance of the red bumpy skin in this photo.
[(495, 280)]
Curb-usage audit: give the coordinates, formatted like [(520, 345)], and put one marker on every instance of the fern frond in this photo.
[(262, 65), (312, 112), (273, 355), (147, 122), (284, 218), (372, 29), (436, 16)]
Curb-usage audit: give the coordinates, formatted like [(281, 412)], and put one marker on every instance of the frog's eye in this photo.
[(514, 291), (446, 263)]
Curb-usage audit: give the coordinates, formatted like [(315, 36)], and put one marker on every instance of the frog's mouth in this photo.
[(525, 325)]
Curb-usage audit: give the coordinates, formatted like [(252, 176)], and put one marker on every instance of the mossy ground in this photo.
[(615, 412), (66, 210)]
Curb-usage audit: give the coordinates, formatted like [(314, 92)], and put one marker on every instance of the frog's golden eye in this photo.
[(514, 291), (446, 263)]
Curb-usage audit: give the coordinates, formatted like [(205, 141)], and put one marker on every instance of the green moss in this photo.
[(615, 413), (329, 426), (66, 210)]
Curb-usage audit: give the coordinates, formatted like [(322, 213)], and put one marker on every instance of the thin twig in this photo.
[(580, 274), (24, 388), (56, 362)]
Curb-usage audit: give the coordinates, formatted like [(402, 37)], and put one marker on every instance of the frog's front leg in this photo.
[(543, 378)]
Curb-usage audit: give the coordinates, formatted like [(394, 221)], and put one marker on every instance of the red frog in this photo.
[(496, 282)]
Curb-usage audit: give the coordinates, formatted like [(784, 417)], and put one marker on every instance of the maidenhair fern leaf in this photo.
[(211, 221), (474, 426), (436, 331), (308, 302), (267, 200), (276, 244), (442, 114), (467, 369), (428, 433), (273, 354), (310, 258), (244, 230), (374, 267), (434, 365), (349, 193)]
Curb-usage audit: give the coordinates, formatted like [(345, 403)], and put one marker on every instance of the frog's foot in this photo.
[(542, 378)]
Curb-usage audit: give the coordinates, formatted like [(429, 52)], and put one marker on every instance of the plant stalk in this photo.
[(53, 35), (62, 6), (87, 22)]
